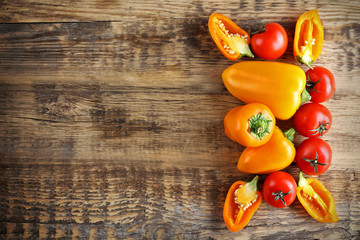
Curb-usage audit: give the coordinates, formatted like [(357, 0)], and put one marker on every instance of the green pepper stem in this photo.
[(259, 126), (307, 61), (289, 134), (245, 51), (253, 183), (302, 180), (305, 96)]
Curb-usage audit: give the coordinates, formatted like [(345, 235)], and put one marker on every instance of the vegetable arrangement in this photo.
[(271, 91)]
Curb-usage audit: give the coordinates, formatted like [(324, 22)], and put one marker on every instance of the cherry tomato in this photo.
[(320, 84), (313, 156), (271, 42), (312, 120), (279, 189)]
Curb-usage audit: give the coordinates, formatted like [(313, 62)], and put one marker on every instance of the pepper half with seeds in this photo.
[(309, 37), (231, 40), (242, 201), (316, 199)]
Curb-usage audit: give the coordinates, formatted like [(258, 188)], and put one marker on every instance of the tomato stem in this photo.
[(280, 195), (321, 129), (310, 85), (314, 162), (262, 29)]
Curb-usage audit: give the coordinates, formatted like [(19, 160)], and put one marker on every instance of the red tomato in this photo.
[(271, 42), (320, 84), (279, 189), (312, 120), (313, 156)]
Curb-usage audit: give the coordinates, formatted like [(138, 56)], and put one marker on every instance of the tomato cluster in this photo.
[(313, 120)]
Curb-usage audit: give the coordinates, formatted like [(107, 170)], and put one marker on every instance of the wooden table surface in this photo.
[(111, 120)]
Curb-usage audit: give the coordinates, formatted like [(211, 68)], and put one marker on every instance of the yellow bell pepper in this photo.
[(280, 86)]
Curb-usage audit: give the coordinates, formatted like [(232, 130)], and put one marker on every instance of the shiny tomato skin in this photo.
[(276, 182), (312, 120), (320, 84), (271, 43), (313, 156)]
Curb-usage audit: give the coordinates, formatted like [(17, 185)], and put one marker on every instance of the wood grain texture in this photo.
[(111, 120)]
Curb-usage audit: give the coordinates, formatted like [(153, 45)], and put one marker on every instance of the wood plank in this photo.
[(95, 10), (136, 201), (111, 120), (113, 98)]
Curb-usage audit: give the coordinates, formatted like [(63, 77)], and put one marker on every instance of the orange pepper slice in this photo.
[(309, 37), (231, 40), (242, 201)]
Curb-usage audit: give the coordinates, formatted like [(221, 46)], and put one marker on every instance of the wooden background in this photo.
[(111, 120)]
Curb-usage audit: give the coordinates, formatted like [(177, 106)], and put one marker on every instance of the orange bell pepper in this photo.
[(231, 40), (241, 202), (280, 86), (278, 153), (316, 199), (250, 125), (309, 37)]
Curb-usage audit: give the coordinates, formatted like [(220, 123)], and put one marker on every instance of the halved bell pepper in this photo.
[(231, 40), (241, 202), (278, 153), (316, 199), (251, 125), (280, 86), (309, 37)]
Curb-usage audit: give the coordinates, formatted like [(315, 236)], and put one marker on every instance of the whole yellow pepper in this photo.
[(280, 86)]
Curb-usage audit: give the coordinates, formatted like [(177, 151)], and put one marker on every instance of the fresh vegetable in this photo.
[(270, 42), (320, 84), (309, 37), (280, 86), (250, 125), (312, 120), (317, 200), (279, 189), (276, 154), (313, 156), (241, 202), (231, 40)]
